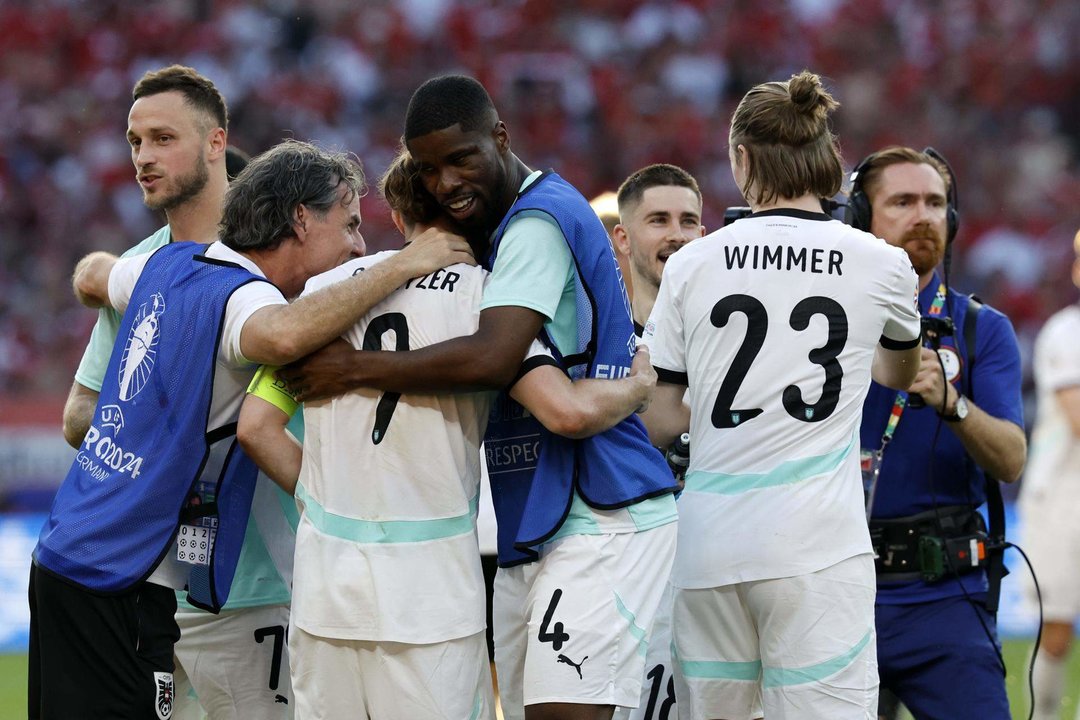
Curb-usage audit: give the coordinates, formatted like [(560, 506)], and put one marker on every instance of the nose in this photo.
[(142, 156), (359, 247), (679, 235), (449, 181), (928, 212)]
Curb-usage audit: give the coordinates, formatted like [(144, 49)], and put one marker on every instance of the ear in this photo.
[(216, 142), (620, 239), (701, 231), (742, 159), (502, 137), (300, 218), (399, 222)]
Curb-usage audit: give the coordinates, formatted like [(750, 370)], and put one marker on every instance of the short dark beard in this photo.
[(187, 187)]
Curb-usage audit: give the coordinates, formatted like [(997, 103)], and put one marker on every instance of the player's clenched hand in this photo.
[(641, 370), (322, 374), (433, 249)]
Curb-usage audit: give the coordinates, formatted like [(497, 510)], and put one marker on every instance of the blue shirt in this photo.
[(925, 465)]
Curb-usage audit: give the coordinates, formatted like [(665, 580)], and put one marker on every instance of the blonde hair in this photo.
[(790, 149)]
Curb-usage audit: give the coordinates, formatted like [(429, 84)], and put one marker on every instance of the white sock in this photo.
[(1049, 686)]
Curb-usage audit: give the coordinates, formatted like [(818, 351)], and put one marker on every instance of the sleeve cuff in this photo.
[(672, 377), (890, 344), (531, 364)]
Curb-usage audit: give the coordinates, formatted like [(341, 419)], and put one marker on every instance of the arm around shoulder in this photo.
[(90, 280), (584, 408)]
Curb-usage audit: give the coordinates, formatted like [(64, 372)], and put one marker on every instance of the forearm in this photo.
[(463, 364), (580, 409), (997, 446), (283, 333), (667, 416), (78, 413), (489, 359)]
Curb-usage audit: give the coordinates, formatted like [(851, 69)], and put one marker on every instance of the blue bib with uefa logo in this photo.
[(149, 461)]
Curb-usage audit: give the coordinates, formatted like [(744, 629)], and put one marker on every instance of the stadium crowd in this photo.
[(595, 88)]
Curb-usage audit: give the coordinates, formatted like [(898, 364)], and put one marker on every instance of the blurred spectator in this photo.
[(612, 85)]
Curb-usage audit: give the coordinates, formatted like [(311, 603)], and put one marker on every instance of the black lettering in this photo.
[(835, 258), (433, 279), (448, 282), (816, 259), (420, 283), (735, 255), (772, 257), (796, 258), (756, 251)]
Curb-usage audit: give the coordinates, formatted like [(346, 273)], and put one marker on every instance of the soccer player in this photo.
[(388, 615), (237, 658), (659, 207), (586, 527), (659, 211), (1047, 501), (776, 323), (938, 650), (1048, 496), (113, 550)]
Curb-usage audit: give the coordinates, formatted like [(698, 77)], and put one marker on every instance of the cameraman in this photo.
[(937, 636)]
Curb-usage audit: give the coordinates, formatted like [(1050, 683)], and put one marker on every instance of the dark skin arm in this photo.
[(489, 359)]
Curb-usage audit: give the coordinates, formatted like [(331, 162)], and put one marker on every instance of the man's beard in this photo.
[(923, 259), (187, 187)]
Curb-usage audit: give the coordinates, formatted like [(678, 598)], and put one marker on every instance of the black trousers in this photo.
[(100, 656)]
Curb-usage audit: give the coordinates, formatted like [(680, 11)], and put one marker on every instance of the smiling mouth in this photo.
[(460, 206)]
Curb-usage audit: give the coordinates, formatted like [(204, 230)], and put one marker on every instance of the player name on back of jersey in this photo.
[(787, 258), (438, 280)]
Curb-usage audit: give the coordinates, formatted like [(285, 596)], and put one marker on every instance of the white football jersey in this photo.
[(1054, 459), (386, 549), (772, 323)]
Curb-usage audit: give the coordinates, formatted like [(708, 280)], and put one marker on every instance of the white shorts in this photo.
[(237, 663), (657, 700), (798, 647), (361, 679), (573, 626), (1051, 539)]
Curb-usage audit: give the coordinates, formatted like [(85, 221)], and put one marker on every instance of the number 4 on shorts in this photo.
[(558, 637)]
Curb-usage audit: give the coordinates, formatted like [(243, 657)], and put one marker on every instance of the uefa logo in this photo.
[(138, 360)]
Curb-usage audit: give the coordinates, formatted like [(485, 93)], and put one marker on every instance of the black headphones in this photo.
[(858, 213)]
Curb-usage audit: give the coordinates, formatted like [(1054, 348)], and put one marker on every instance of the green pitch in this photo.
[(13, 682)]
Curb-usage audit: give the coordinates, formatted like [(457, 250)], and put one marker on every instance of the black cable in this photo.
[(1038, 633)]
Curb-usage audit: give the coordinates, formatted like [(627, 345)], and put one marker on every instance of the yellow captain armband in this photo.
[(266, 385)]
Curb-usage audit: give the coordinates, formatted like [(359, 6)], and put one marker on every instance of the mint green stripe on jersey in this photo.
[(654, 512), (787, 473), (782, 677), (635, 631), (388, 531), (749, 671), (478, 705)]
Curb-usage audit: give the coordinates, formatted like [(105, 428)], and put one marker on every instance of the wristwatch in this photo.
[(960, 412)]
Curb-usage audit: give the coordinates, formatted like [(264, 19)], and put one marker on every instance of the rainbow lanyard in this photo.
[(901, 397)]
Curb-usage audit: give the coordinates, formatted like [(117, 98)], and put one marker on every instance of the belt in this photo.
[(897, 541)]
